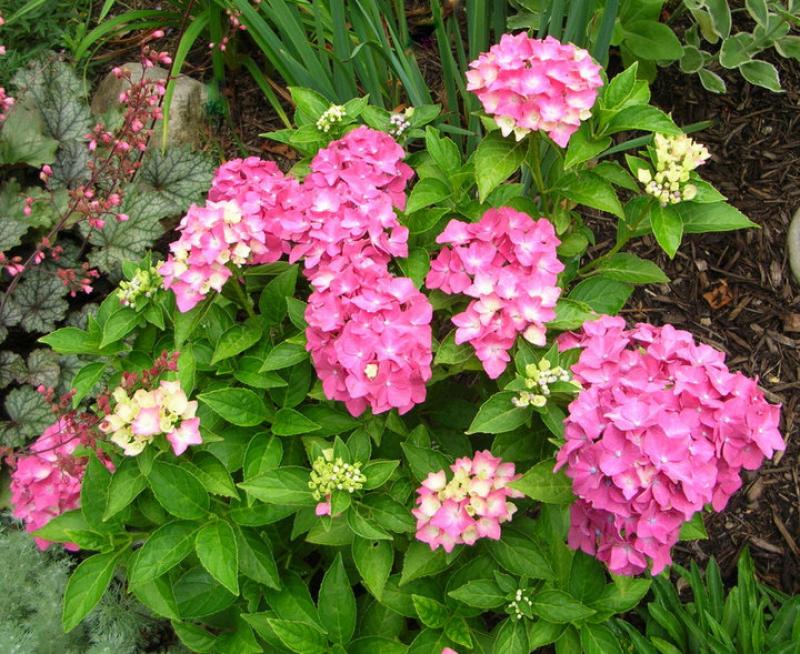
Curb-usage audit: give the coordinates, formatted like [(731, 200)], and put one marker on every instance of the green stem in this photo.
[(535, 163), (596, 262), (244, 301)]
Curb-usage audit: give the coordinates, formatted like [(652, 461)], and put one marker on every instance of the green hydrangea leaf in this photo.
[(40, 299)]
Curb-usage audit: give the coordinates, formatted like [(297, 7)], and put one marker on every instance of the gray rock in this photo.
[(793, 245), (186, 111)]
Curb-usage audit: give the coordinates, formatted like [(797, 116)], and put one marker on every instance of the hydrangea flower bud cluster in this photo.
[(145, 283), (47, 482), (329, 475), (330, 117), (538, 378), (137, 419), (507, 261), (400, 122), (676, 157), (529, 84), (472, 505), (662, 429), (521, 606)]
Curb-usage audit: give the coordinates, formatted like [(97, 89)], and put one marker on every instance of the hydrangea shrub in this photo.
[(392, 413)]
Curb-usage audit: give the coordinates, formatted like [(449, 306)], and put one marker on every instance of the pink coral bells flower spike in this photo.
[(472, 505), (661, 429), (529, 84), (507, 263)]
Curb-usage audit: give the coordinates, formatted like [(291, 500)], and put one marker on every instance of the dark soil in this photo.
[(735, 291)]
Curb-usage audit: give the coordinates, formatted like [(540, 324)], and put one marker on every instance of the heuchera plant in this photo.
[(317, 423)]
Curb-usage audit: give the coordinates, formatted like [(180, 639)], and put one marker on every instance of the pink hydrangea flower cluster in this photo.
[(529, 84), (661, 429), (47, 482), (507, 261), (233, 227), (137, 419), (472, 505), (354, 187), (369, 332)]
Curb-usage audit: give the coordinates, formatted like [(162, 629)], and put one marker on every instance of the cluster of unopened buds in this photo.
[(136, 420), (78, 280), (329, 475), (6, 101), (472, 505), (331, 116), (235, 19), (507, 262), (661, 429), (46, 481), (675, 158), (400, 122), (538, 378), (529, 84), (145, 283), (521, 606)]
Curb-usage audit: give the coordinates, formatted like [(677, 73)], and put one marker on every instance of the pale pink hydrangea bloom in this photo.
[(47, 482), (507, 262), (661, 429), (472, 505), (136, 420), (246, 200), (529, 84), (369, 332)]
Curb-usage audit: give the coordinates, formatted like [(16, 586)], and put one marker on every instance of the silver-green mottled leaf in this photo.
[(12, 368), (129, 240), (10, 315), (43, 368), (176, 178), (70, 167), (40, 299), (29, 415)]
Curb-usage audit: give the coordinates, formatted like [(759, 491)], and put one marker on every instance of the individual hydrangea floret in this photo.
[(330, 117), (661, 429), (530, 84), (538, 378), (472, 505), (136, 420), (329, 475), (507, 262), (675, 158), (368, 333), (47, 482), (144, 284)]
